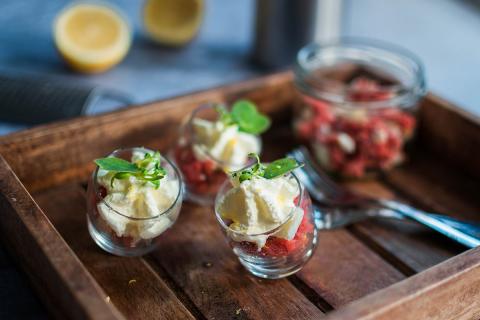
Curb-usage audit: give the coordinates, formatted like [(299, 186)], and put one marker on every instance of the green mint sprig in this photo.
[(245, 114), (272, 170), (147, 169)]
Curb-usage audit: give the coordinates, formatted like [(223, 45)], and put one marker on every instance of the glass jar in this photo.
[(279, 257), (116, 232), (356, 104), (202, 173)]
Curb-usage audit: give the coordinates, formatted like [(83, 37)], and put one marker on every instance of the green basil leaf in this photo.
[(257, 125), (243, 109), (280, 167), (117, 165), (122, 175), (249, 120), (119, 176), (245, 175), (148, 160)]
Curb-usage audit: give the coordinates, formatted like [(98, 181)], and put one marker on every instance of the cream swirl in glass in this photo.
[(126, 216), (269, 223)]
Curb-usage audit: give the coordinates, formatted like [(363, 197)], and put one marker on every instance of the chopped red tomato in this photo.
[(276, 247), (201, 177)]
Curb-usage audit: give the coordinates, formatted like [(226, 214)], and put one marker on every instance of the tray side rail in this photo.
[(56, 153), (450, 290), (65, 286)]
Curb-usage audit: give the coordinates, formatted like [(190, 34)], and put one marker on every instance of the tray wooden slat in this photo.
[(449, 290), (333, 270), (145, 298), (196, 256), (330, 273), (184, 255), (407, 245), (429, 183)]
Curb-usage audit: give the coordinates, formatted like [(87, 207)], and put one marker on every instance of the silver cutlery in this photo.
[(339, 217), (353, 207)]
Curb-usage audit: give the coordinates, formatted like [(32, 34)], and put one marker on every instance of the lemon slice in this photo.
[(172, 22), (91, 37)]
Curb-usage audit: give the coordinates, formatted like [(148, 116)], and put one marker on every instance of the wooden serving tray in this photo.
[(372, 270)]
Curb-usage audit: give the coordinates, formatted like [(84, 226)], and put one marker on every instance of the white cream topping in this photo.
[(260, 205), (224, 143), (137, 199), (359, 115), (346, 143), (380, 136), (322, 154)]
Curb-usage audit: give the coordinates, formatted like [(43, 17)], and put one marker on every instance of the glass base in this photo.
[(108, 246), (277, 269)]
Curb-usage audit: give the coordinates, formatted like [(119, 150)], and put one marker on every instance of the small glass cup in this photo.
[(120, 234), (279, 257), (356, 104), (202, 173)]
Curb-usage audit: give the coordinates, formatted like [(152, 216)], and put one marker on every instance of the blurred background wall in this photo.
[(444, 33)]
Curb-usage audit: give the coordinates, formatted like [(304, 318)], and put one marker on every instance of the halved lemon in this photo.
[(91, 37), (172, 22)]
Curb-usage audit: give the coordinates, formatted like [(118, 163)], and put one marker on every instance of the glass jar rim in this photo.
[(171, 207), (189, 127), (268, 232), (370, 47)]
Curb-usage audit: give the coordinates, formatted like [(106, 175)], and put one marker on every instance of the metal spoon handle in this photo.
[(432, 222), (333, 218)]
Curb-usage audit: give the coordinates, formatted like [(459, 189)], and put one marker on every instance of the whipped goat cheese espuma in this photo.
[(134, 206)]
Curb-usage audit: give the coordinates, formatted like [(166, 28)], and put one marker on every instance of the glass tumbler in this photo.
[(279, 257), (138, 236), (202, 173), (356, 104)]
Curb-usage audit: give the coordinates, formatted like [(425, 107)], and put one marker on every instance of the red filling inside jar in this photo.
[(201, 177), (352, 142), (277, 247)]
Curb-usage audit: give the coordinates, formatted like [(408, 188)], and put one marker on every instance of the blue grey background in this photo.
[(445, 34)]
